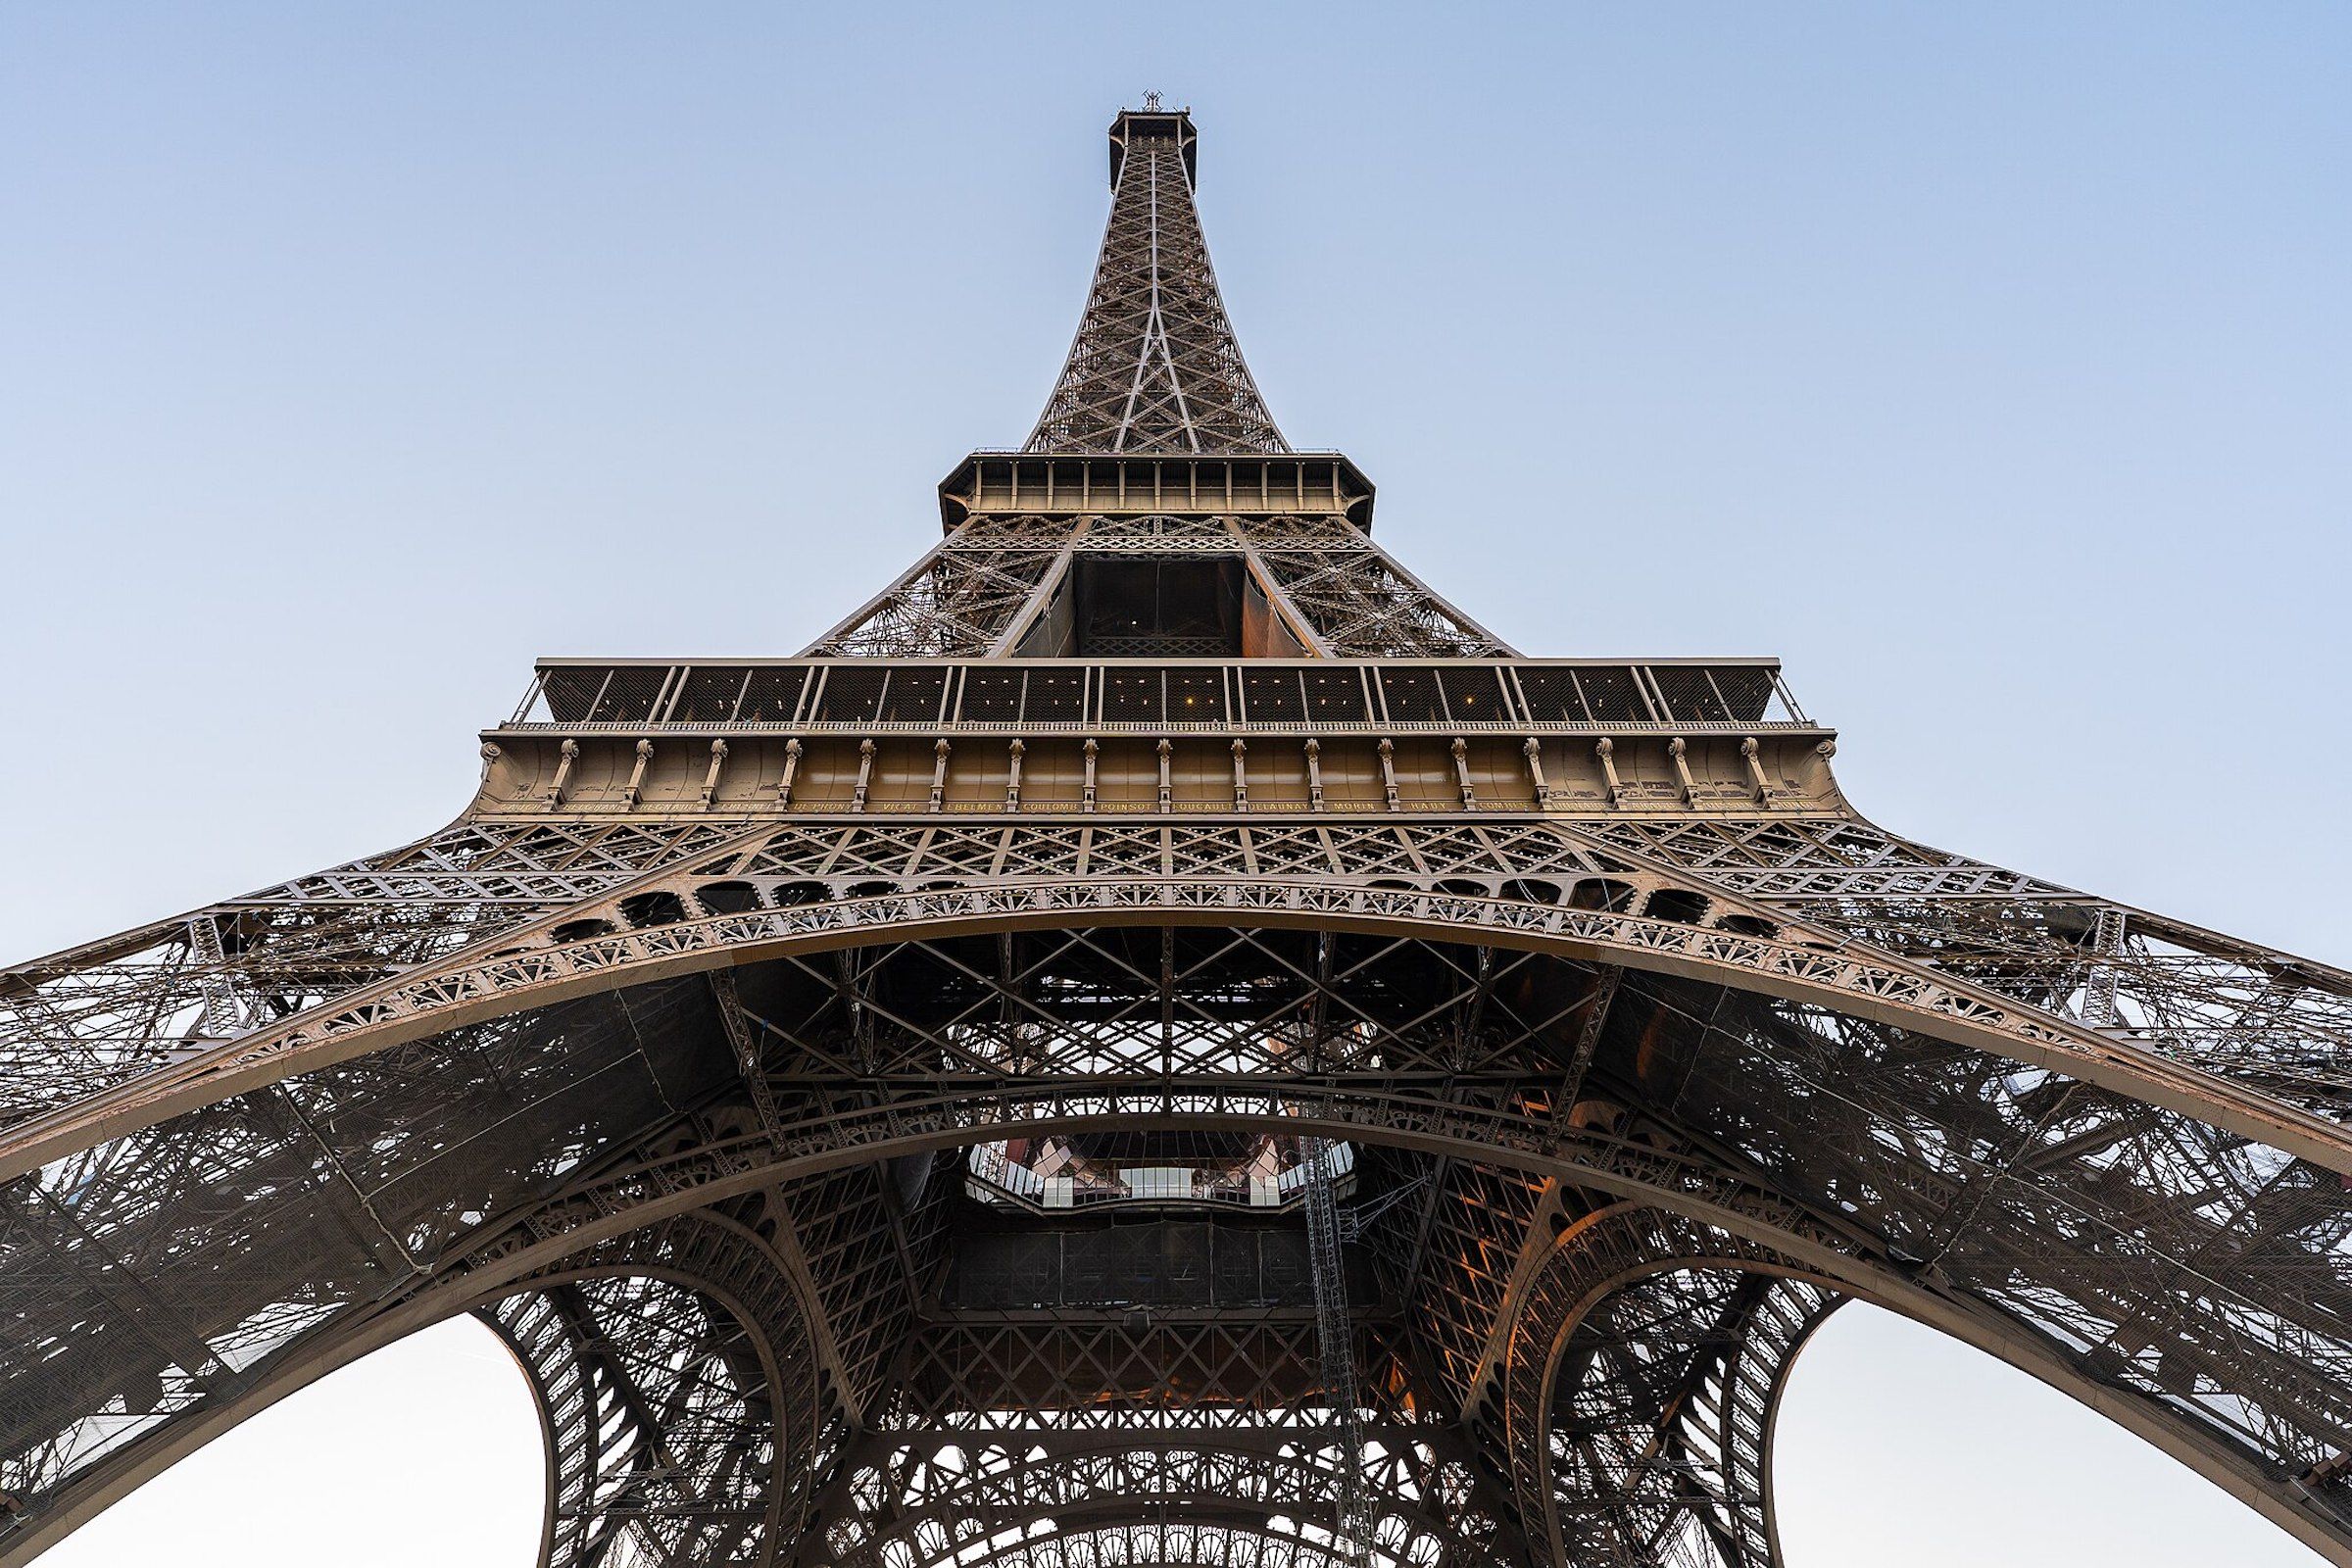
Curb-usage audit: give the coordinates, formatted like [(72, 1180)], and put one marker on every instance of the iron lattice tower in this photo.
[(880, 1095)]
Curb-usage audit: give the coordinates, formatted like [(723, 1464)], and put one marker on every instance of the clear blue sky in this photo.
[(1992, 364)]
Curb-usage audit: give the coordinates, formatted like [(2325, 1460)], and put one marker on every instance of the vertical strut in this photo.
[(2098, 997), (1335, 1342)]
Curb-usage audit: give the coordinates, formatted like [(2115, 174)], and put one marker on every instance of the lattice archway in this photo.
[(1640, 1391), (676, 1398), (1747, 1067)]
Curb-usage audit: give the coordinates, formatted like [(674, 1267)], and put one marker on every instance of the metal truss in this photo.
[(1160, 1544), (675, 1394), (1645, 918), (2227, 1010), (971, 594), (982, 589), (2148, 1284), (1641, 1377), (682, 1055), (102, 1012), (1155, 367), (1357, 600), (1662, 1440), (2253, 1015), (1457, 1249)]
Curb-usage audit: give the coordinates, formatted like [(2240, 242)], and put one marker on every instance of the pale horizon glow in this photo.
[(1990, 365)]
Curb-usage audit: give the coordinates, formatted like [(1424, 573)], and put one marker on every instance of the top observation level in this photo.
[(1152, 123)]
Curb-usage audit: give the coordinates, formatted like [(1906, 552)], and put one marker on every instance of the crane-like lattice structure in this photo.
[(1159, 1041)]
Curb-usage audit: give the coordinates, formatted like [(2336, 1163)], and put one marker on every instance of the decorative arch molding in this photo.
[(1743, 948), (1165, 1544)]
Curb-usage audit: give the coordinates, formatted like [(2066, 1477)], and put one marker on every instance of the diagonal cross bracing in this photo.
[(1155, 366)]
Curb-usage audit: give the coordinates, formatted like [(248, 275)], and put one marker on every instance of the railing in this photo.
[(991, 1177), (876, 697)]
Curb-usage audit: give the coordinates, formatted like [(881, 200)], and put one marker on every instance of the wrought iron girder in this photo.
[(1359, 601), (2277, 1022), (976, 593), (1107, 1371), (964, 597), (1457, 1263), (79, 1021)]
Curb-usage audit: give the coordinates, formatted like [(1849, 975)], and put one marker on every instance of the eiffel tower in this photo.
[(1159, 1041)]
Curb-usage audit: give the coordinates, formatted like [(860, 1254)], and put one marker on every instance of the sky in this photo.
[(1990, 365)]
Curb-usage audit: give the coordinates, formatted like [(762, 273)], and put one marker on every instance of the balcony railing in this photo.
[(1154, 696)]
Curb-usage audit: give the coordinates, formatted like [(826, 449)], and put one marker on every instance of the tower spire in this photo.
[(1155, 366)]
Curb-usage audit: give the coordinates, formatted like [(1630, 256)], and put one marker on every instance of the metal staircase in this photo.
[(1335, 1342)]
